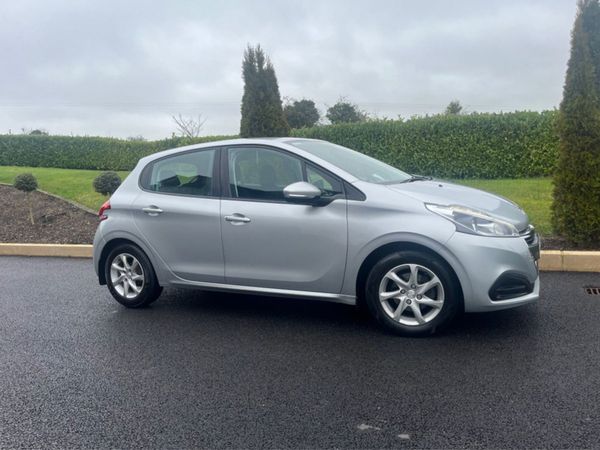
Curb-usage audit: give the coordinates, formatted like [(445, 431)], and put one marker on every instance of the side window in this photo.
[(260, 173), (185, 174), (328, 185)]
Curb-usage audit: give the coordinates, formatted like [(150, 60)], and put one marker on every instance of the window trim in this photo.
[(309, 164), (226, 189), (215, 185)]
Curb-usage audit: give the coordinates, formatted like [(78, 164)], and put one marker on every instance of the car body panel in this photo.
[(286, 245), (385, 220), (187, 234), (485, 259), (444, 193)]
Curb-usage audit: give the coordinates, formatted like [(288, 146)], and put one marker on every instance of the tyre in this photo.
[(412, 293), (130, 277)]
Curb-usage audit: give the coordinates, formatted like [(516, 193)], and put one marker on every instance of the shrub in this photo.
[(506, 145), (27, 183), (107, 183), (83, 152)]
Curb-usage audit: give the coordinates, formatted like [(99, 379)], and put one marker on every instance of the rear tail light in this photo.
[(105, 206)]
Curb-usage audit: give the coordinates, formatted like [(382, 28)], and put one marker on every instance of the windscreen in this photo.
[(357, 164)]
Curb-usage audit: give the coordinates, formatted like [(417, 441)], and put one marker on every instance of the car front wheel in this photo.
[(412, 293), (130, 277)]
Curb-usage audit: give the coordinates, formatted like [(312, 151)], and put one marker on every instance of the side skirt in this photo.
[(335, 298)]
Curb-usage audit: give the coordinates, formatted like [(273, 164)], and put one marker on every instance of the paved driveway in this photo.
[(215, 370)]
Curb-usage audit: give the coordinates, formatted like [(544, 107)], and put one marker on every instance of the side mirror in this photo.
[(302, 192)]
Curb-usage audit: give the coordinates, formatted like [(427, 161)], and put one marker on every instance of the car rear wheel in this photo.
[(130, 277), (412, 293)]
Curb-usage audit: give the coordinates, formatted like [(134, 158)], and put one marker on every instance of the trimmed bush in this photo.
[(27, 183), (83, 152), (506, 145), (107, 183)]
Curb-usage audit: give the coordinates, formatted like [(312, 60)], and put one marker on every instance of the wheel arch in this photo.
[(108, 247), (392, 247)]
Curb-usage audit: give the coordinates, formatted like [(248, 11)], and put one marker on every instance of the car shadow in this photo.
[(253, 310)]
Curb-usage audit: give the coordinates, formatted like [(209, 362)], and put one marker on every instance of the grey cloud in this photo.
[(122, 68)]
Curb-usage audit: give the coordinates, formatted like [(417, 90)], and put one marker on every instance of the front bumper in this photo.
[(487, 262)]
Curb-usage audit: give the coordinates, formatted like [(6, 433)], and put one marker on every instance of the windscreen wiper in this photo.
[(417, 178)]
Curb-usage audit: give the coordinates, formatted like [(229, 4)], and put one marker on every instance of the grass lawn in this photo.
[(75, 185), (534, 195)]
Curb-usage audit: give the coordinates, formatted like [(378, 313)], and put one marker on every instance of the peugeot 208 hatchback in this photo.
[(306, 218)]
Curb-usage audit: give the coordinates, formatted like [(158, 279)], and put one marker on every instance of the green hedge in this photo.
[(508, 145), (81, 152)]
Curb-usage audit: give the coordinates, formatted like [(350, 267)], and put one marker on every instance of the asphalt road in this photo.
[(215, 370)]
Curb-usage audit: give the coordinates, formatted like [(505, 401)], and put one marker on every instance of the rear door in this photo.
[(178, 213), (269, 242)]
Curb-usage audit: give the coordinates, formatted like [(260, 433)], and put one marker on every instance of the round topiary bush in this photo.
[(26, 182), (107, 183)]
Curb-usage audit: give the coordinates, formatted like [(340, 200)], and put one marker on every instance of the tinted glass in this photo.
[(361, 166), (261, 174), (185, 174)]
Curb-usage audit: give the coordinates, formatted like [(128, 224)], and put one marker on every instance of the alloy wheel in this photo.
[(411, 294), (127, 275)]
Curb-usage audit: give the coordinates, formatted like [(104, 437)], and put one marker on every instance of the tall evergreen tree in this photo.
[(576, 207), (262, 113)]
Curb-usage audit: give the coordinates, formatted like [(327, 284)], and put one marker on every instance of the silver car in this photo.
[(306, 218)]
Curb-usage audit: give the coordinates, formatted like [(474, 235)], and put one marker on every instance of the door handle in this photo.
[(152, 210), (237, 219)]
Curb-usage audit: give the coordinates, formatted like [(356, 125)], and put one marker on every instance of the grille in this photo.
[(528, 234), (592, 290)]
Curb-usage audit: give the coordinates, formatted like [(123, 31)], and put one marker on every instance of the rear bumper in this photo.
[(98, 247), (491, 263)]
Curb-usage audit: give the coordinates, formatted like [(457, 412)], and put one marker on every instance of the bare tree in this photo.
[(454, 108), (189, 126)]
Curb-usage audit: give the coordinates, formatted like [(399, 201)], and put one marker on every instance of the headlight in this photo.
[(475, 222)]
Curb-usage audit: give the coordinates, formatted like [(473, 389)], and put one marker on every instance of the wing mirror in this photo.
[(302, 192)]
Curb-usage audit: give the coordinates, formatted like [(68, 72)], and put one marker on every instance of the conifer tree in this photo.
[(576, 206), (262, 113)]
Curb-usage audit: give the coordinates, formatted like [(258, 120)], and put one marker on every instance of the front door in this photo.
[(271, 243), (178, 214)]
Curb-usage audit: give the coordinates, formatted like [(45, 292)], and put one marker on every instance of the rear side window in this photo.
[(184, 174)]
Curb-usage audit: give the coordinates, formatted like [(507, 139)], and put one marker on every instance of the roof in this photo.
[(263, 140)]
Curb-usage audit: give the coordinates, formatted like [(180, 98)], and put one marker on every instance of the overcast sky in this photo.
[(122, 68)]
